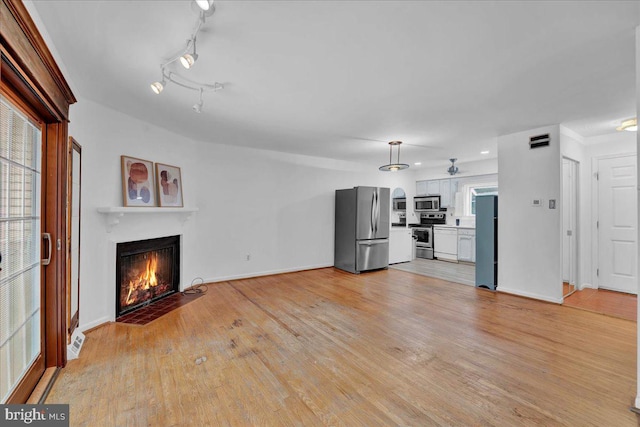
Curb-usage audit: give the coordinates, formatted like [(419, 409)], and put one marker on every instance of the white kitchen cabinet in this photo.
[(433, 186), (467, 244), (445, 193), (400, 245), (445, 243), (446, 188), (421, 188)]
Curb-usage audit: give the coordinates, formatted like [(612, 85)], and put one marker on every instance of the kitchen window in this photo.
[(474, 190)]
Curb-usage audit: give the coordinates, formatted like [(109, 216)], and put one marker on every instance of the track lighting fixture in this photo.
[(204, 4), (187, 60), (198, 107), (630, 125), (187, 57), (157, 87)]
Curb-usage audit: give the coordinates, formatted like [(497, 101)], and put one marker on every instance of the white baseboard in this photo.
[(86, 326), (529, 295), (265, 273)]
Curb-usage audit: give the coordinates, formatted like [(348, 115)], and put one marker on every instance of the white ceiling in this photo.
[(339, 79)]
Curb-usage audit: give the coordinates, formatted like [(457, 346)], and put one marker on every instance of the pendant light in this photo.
[(397, 166)]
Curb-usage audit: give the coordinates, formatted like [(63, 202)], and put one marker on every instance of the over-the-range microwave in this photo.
[(426, 203), (399, 204)]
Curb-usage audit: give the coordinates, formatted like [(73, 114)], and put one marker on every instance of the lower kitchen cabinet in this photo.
[(467, 245), (445, 243), (400, 245)]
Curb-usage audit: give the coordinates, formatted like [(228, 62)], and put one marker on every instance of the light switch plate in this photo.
[(552, 203)]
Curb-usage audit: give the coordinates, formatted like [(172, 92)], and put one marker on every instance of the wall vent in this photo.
[(539, 141)]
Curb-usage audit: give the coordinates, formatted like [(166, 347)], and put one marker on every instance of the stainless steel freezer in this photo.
[(362, 229)]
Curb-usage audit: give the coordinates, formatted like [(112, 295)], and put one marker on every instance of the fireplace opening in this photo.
[(146, 271)]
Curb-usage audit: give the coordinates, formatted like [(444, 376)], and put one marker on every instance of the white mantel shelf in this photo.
[(115, 213)]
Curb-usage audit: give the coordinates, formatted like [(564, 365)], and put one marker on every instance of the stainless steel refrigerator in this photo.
[(362, 229), (487, 242)]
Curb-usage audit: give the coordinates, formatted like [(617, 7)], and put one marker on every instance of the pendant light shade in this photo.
[(397, 166)]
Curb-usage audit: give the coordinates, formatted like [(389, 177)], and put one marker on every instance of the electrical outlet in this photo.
[(248, 257)]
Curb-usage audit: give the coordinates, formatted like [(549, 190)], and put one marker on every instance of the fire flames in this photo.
[(147, 279)]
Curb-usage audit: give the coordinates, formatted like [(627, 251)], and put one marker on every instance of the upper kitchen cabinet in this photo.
[(446, 188)]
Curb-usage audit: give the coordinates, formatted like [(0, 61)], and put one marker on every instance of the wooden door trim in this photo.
[(32, 75), (23, 43)]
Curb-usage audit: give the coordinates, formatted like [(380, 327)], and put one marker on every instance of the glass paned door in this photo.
[(20, 278)]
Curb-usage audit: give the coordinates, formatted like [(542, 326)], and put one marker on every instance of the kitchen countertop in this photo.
[(455, 226)]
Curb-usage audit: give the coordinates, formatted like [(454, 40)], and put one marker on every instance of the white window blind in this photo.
[(20, 182)]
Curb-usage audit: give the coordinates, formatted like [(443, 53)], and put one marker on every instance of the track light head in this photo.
[(204, 4), (198, 107), (188, 59), (157, 87)]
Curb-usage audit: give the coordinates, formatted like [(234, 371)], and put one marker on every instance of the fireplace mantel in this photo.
[(115, 213)]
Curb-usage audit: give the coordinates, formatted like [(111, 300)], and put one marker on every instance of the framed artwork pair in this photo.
[(142, 187)]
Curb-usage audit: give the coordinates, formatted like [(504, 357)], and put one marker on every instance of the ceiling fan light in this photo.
[(157, 87), (188, 59), (204, 4), (630, 125)]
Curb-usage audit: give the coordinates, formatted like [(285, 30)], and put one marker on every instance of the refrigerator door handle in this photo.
[(373, 242), (373, 212)]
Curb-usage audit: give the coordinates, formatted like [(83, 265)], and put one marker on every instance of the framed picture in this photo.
[(137, 182), (169, 185)]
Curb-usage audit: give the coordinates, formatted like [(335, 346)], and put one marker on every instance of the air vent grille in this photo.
[(539, 141)]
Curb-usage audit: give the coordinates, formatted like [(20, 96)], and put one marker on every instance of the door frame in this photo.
[(595, 212), (30, 74), (577, 218)]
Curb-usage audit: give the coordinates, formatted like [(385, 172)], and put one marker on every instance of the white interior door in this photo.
[(618, 221), (570, 223)]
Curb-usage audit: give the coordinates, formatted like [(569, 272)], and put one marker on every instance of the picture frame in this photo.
[(169, 185), (138, 182)]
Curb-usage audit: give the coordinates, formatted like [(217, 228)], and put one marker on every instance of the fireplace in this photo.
[(146, 271)]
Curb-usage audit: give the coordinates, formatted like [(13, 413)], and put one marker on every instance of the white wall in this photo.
[(275, 207), (479, 167), (529, 249)]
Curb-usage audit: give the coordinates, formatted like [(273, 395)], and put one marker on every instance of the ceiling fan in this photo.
[(453, 169)]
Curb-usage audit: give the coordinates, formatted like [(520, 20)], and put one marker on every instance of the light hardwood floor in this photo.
[(386, 348), (452, 271), (611, 303)]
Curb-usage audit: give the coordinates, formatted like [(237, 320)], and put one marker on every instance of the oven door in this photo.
[(424, 237)]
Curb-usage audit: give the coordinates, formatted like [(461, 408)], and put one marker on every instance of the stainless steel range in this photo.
[(423, 233)]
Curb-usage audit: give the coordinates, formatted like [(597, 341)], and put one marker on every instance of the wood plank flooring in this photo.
[(452, 271), (616, 304), (386, 348)]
